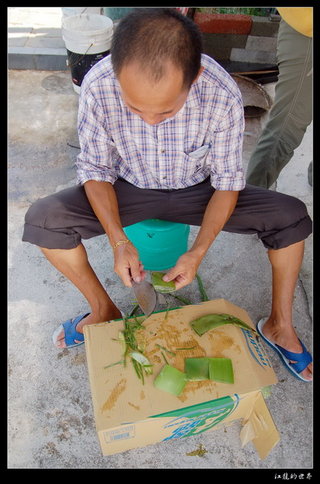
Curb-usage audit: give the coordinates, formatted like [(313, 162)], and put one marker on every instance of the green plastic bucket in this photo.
[(159, 243)]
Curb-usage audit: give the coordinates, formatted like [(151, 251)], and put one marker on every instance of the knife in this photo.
[(145, 295)]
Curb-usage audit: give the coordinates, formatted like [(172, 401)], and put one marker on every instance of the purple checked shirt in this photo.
[(203, 138)]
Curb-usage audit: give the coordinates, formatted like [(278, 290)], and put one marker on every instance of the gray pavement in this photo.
[(50, 417)]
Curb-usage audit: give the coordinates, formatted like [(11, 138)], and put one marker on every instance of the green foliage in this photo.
[(256, 11)]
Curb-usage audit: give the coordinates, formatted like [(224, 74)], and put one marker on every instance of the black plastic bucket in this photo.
[(88, 40), (80, 64)]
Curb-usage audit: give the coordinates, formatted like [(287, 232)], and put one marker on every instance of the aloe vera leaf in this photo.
[(170, 380), (196, 369), (221, 370), (160, 285), (211, 321), (203, 293)]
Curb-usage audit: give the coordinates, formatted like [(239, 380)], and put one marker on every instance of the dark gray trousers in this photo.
[(62, 219)]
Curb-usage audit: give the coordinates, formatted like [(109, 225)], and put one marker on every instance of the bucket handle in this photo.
[(72, 65)]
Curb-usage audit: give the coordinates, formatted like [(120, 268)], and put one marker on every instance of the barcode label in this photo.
[(121, 433)]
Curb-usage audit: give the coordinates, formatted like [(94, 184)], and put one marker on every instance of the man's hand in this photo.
[(184, 271), (127, 264), (218, 211), (103, 200)]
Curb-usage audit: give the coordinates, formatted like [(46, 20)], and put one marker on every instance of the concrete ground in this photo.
[(50, 417)]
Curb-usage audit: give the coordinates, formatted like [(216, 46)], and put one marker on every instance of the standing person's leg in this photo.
[(291, 112)]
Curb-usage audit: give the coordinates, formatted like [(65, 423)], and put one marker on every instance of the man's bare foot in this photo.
[(92, 318), (288, 339)]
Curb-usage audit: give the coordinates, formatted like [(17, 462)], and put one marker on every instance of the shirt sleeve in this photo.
[(226, 150), (98, 157)]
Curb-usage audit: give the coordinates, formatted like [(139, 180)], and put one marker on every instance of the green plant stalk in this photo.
[(164, 357), (182, 349), (165, 349), (134, 310), (184, 300), (203, 293), (138, 369), (129, 339), (114, 364)]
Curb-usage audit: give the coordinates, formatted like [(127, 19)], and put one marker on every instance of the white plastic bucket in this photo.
[(88, 39), (87, 33), (69, 11)]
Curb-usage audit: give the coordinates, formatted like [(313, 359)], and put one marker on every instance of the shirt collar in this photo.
[(194, 98), (119, 95)]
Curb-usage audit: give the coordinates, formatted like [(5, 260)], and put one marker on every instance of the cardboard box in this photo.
[(129, 414)]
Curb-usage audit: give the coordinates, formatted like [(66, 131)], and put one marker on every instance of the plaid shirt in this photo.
[(203, 138)]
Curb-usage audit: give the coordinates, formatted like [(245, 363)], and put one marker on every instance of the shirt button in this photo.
[(163, 151)]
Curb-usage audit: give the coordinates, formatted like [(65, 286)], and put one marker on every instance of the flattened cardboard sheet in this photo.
[(130, 414)]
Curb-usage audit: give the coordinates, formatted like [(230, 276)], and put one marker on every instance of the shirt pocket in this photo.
[(200, 153), (192, 163), (197, 158)]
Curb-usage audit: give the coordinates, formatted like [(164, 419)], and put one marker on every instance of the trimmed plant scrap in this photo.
[(200, 451), (216, 369), (173, 381), (211, 321), (196, 369), (221, 370), (131, 348), (170, 380)]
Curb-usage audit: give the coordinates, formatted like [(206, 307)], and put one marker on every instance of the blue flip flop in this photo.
[(302, 359), (70, 332)]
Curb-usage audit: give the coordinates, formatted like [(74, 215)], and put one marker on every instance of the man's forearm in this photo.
[(103, 200), (218, 212)]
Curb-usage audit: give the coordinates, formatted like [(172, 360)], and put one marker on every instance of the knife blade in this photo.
[(145, 295)]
